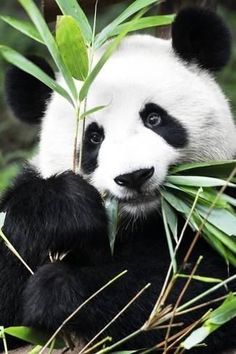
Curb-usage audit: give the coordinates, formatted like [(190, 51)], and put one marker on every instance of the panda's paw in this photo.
[(50, 296), (61, 213)]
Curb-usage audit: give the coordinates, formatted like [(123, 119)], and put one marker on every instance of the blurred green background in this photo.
[(18, 141)]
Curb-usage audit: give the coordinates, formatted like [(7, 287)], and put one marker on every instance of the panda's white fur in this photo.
[(143, 69)]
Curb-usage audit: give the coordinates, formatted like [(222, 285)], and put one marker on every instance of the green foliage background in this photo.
[(17, 140)]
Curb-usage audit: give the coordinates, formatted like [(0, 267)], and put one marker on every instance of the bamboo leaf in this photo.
[(23, 26), (2, 219), (106, 55), (32, 336), (165, 211), (91, 111), (216, 242), (135, 7), (49, 41), (226, 240), (72, 8), (207, 197), (111, 206), (229, 199), (224, 313), (222, 169), (145, 22), (196, 337), (176, 202), (200, 278), (102, 61), (198, 181), (72, 47), (221, 219), (24, 64), (172, 220), (36, 349)]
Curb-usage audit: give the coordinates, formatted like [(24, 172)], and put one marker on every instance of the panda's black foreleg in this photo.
[(47, 217), (54, 216)]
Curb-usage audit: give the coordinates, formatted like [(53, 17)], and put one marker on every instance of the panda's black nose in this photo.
[(136, 179)]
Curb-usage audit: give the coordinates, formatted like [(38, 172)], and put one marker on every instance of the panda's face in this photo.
[(158, 112), (130, 160)]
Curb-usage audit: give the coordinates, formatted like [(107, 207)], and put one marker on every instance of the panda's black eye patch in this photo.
[(94, 134), (158, 119), (93, 138)]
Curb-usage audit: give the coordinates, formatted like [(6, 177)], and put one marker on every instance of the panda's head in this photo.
[(162, 107)]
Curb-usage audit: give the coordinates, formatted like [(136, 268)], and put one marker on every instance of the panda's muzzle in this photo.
[(136, 179)]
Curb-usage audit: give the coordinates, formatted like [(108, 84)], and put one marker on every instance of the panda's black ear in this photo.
[(200, 36), (26, 96)]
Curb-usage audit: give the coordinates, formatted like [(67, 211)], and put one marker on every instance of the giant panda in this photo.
[(162, 107)]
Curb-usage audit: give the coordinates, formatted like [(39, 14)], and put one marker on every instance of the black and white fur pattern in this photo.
[(163, 107), (144, 70)]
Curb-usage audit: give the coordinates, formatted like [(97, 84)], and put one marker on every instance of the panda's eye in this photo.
[(96, 138), (153, 120)]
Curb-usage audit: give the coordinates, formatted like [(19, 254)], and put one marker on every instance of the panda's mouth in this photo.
[(140, 200), (140, 205)]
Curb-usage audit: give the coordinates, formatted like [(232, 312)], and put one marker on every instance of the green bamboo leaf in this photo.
[(145, 22), (189, 194), (36, 349), (2, 219), (177, 203), (102, 61), (91, 111), (111, 206), (224, 313), (49, 41), (200, 278), (226, 240), (106, 55), (23, 26), (135, 7), (24, 64), (32, 336), (172, 220), (220, 218), (72, 47), (165, 214), (207, 197), (196, 337), (198, 181), (215, 240), (72, 8), (219, 247), (222, 169), (229, 199)]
